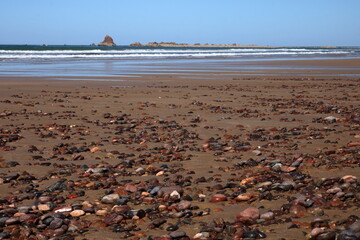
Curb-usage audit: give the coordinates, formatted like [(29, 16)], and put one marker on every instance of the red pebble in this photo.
[(218, 198)]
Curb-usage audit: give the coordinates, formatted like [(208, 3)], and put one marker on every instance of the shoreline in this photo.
[(221, 67)]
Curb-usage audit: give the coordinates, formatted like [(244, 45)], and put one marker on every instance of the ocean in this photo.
[(126, 61), (37, 52)]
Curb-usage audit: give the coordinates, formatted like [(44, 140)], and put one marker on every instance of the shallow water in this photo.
[(126, 62)]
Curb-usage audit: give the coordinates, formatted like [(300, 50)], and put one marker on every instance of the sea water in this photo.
[(33, 52), (126, 61)]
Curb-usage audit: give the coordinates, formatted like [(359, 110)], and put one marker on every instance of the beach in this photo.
[(185, 149)]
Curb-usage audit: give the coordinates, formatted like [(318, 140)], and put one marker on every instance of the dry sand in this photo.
[(243, 130)]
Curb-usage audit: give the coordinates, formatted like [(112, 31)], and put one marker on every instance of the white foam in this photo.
[(161, 53)]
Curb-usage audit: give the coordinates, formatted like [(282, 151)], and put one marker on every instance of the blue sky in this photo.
[(262, 22)]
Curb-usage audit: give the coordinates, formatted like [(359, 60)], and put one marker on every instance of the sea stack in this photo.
[(108, 41)]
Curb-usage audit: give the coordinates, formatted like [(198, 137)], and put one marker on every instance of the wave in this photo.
[(195, 54), (161, 53), (97, 51)]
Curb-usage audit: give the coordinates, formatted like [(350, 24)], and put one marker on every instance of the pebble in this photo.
[(168, 190), (95, 149), (63, 209), (77, 213), (354, 227), (330, 119), (267, 216), (160, 173), (177, 234), (250, 213), (111, 198), (172, 228), (257, 152), (297, 211), (157, 223), (202, 235), (101, 212), (349, 179), (316, 231), (348, 235), (218, 198), (183, 205), (112, 218), (244, 197), (326, 236), (175, 195), (44, 207), (130, 188)]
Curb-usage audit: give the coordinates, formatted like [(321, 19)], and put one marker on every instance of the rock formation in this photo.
[(197, 45), (136, 44), (108, 41)]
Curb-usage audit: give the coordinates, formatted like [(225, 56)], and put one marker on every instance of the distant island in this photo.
[(174, 44), (109, 42)]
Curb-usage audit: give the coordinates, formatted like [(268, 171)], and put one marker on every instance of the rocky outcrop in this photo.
[(136, 44), (197, 45), (108, 41)]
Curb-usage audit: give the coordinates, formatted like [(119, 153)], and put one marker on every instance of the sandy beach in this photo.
[(224, 154)]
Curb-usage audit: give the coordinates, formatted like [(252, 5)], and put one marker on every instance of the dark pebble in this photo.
[(355, 227), (172, 228), (326, 236), (348, 235), (4, 235), (177, 234)]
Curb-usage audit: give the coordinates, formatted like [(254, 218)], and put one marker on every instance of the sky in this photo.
[(261, 22)]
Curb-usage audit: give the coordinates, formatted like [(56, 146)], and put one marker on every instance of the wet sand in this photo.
[(192, 151)]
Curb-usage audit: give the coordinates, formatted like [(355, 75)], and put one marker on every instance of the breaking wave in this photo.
[(128, 52)]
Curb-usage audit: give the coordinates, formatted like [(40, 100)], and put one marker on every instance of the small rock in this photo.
[(56, 223), (349, 179), (168, 190), (257, 152), (348, 235), (183, 205), (157, 223), (202, 235), (330, 119), (248, 215), (355, 227), (354, 144), (95, 149), (177, 234), (297, 211), (77, 213), (160, 173), (113, 218), (63, 209), (218, 198), (44, 207), (326, 236), (244, 197), (267, 216), (175, 195), (315, 232), (130, 188), (101, 212), (111, 198)]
